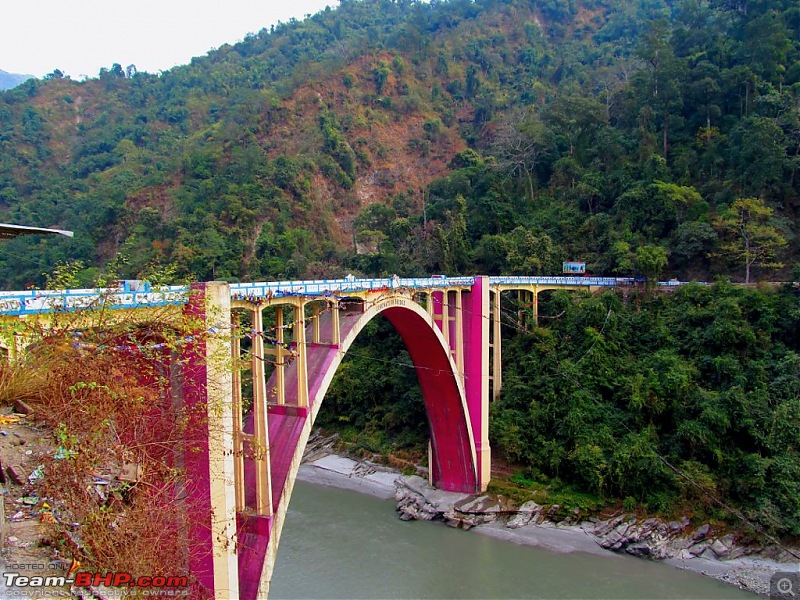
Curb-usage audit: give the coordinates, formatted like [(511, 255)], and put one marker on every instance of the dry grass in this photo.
[(115, 476)]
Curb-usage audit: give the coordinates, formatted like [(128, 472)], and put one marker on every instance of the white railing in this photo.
[(136, 294), (337, 287)]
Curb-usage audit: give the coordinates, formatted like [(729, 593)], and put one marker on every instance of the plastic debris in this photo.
[(29, 500), (36, 475), (8, 420), (63, 453)]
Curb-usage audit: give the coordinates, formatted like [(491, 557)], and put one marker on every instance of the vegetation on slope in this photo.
[(450, 136), (655, 137)]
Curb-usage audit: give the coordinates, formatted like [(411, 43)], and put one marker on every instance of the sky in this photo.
[(81, 36)]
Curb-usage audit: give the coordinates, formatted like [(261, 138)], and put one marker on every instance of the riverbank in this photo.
[(486, 516)]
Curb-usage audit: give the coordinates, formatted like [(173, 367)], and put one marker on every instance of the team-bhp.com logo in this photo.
[(152, 586)]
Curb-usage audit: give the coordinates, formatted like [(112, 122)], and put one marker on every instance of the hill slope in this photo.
[(398, 136)]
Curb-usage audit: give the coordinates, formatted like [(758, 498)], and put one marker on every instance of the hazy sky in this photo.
[(81, 36)]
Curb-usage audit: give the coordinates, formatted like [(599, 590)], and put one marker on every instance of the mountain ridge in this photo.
[(12, 80), (277, 147)]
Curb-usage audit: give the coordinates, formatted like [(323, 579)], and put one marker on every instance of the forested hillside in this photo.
[(645, 137), (456, 136)]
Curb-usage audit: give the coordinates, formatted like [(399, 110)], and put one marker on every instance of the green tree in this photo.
[(650, 262), (749, 234)]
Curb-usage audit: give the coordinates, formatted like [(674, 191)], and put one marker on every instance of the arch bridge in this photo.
[(274, 347)]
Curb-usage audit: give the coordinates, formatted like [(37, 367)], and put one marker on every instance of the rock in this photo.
[(640, 549), (618, 537), (416, 499), (22, 407), (474, 511), (719, 549), (526, 513), (701, 532), (708, 554), (130, 473), (738, 552), (604, 527), (699, 548), (678, 526)]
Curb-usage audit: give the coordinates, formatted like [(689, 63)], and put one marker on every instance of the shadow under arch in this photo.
[(453, 456)]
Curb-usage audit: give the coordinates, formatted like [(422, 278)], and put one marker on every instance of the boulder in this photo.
[(525, 514), (698, 548), (719, 549), (702, 532)]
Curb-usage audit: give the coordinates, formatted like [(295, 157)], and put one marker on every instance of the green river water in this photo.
[(342, 544)]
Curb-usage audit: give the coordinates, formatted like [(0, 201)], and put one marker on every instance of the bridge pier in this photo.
[(476, 324), (210, 472)]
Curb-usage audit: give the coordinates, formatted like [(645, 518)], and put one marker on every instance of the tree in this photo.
[(521, 142), (750, 234), (650, 261)]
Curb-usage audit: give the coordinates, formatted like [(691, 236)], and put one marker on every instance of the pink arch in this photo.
[(452, 447), (453, 459)]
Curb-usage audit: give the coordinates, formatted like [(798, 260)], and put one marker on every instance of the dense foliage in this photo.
[(451, 136), (653, 137), (684, 402), (674, 400)]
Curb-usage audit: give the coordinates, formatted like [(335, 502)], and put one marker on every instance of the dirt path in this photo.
[(25, 546)]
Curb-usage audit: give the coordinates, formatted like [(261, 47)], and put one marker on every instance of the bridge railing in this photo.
[(567, 281), (325, 287), (134, 294), (31, 302)]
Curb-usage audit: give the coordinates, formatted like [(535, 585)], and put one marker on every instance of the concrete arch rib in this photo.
[(453, 455)]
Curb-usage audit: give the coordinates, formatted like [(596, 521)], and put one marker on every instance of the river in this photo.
[(342, 544)]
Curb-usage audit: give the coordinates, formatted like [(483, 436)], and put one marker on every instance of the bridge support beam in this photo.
[(497, 347), (209, 490), (259, 441), (476, 324), (301, 350)]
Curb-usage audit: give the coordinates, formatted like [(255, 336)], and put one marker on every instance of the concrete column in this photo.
[(280, 366), (238, 439), (207, 394), (300, 348), (476, 371), (315, 323), (497, 352), (446, 317), (260, 430), (459, 331), (335, 326)]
